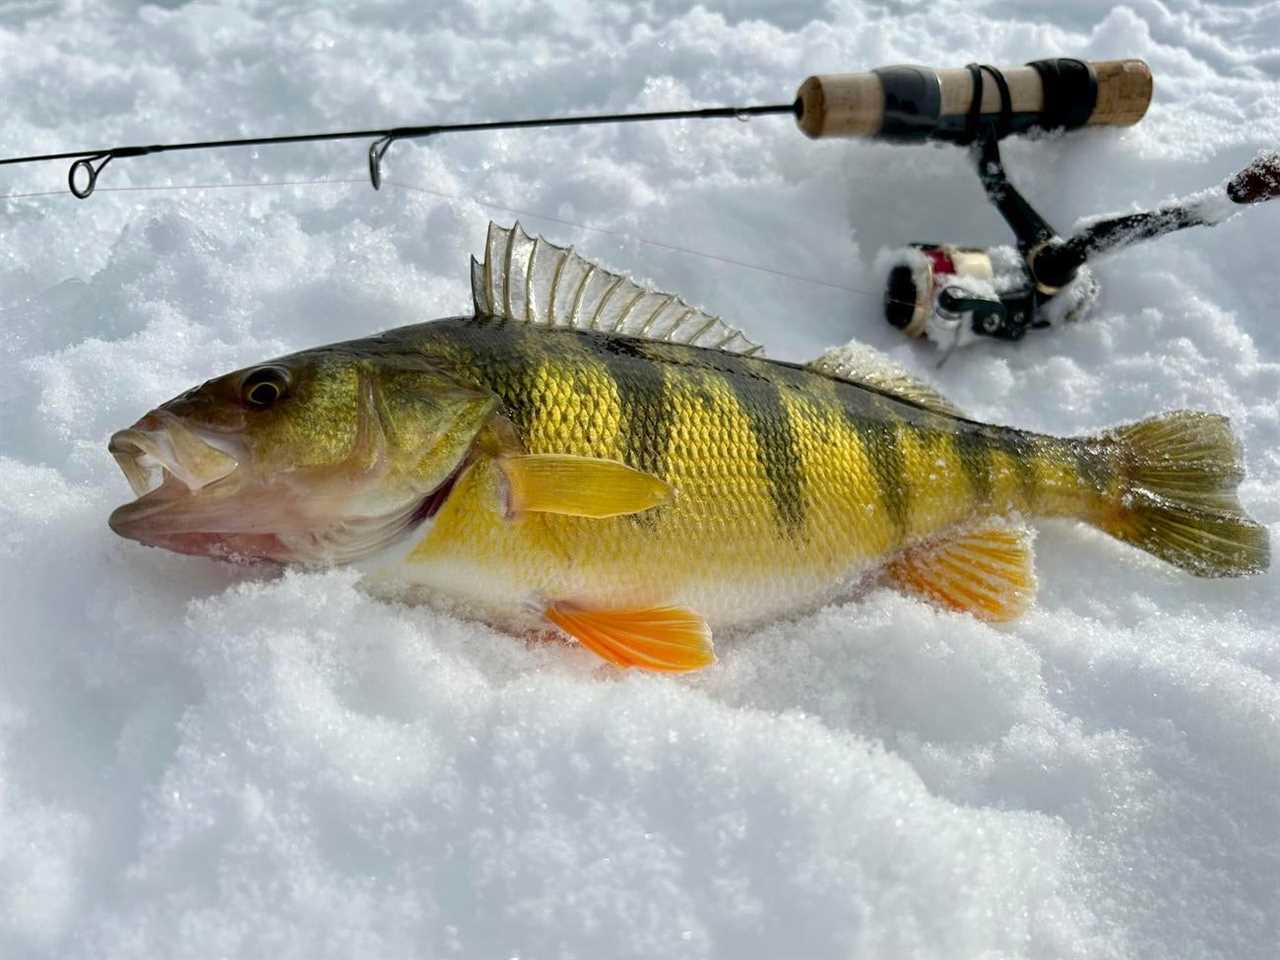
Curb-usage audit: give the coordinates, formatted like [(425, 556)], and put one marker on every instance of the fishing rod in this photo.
[(950, 294), (901, 104), (90, 163)]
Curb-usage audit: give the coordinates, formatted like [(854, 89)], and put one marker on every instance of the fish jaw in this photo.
[(227, 526), (242, 548), (191, 492)]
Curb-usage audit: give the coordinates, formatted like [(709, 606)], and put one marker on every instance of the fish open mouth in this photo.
[(159, 451), (167, 464)]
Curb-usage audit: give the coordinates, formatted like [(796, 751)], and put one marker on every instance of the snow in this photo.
[(202, 761)]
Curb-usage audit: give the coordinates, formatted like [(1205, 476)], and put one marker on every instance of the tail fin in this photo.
[(1177, 495)]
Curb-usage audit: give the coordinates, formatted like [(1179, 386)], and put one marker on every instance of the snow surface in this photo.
[(199, 761)]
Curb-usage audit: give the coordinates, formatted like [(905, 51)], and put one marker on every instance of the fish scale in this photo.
[(721, 435)]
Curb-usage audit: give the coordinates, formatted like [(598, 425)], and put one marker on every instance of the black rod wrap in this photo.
[(913, 102), (1070, 92)]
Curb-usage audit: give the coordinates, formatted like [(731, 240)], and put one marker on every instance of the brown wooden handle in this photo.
[(921, 103)]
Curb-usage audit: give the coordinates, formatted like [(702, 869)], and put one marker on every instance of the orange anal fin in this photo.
[(661, 638), (986, 571)]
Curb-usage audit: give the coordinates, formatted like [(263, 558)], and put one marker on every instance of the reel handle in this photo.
[(1258, 181), (1054, 263), (909, 104)]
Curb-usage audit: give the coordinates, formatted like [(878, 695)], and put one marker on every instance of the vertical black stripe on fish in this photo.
[(974, 454), (1020, 449), (1093, 464), (874, 419), (647, 426), (880, 443), (777, 452), (508, 360)]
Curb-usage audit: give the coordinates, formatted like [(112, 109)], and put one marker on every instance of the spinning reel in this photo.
[(956, 295)]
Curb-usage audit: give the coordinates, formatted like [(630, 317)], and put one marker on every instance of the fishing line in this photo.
[(186, 186), (417, 188), (618, 234)]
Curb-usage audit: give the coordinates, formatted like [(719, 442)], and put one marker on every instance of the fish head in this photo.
[(317, 458)]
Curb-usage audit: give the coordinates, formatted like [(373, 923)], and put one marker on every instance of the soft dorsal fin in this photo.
[(861, 364), (534, 281)]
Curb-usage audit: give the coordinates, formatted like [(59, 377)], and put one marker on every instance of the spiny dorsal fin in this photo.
[(533, 281), (861, 364)]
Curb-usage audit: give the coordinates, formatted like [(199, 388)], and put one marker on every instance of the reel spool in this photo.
[(955, 295)]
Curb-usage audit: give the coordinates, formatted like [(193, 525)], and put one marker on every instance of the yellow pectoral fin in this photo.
[(579, 486), (986, 571), (662, 638)]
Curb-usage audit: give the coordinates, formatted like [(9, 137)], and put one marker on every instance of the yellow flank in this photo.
[(935, 479), (579, 411), (714, 462), (1012, 486), (718, 534), (728, 537), (846, 509)]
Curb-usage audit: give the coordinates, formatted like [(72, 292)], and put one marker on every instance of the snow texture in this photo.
[(200, 761)]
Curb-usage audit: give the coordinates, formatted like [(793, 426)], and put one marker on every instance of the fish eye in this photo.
[(264, 386)]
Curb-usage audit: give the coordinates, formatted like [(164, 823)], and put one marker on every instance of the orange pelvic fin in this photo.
[(660, 638), (986, 571)]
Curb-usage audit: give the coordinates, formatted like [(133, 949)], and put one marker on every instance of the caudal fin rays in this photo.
[(1177, 495)]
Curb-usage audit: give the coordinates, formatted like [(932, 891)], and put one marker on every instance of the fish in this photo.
[(590, 457)]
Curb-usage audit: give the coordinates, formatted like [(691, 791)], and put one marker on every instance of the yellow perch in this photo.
[(609, 459)]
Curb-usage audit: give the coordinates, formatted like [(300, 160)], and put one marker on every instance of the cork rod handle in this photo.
[(920, 103)]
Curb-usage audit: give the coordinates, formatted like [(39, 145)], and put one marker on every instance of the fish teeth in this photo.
[(139, 468), (170, 457)]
